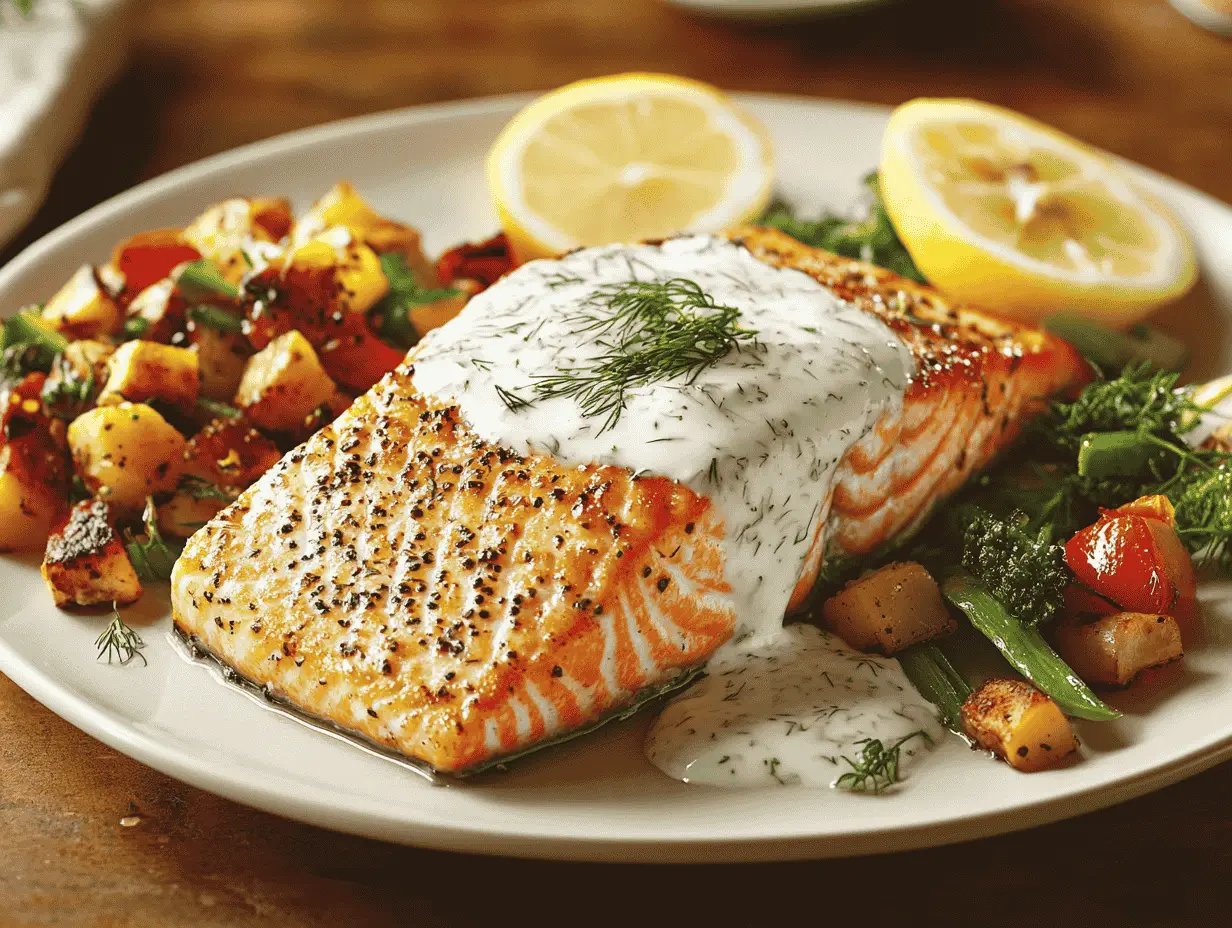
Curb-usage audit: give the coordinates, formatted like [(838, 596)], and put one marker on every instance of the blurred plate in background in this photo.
[(775, 9)]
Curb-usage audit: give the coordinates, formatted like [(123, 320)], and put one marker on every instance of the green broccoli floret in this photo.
[(1025, 572)]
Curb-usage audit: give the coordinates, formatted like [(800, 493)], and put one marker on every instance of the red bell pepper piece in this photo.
[(1134, 557), (148, 257), (486, 262)]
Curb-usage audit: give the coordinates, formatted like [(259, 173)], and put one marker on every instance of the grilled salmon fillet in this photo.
[(457, 601)]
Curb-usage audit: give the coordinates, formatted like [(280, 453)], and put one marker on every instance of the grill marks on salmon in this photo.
[(447, 598), (450, 599)]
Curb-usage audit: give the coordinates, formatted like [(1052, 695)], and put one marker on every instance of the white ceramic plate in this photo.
[(596, 798)]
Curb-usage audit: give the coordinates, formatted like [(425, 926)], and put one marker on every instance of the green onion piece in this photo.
[(202, 281), (1111, 351), (218, 409), (28, 328), (931, 672), (135, 327), (1025, 648), (214, 318), (1118, 454)]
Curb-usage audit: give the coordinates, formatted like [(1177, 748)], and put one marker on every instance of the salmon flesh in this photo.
[(457, 601)]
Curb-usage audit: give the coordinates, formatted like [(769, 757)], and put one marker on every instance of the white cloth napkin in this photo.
[(52, 66)]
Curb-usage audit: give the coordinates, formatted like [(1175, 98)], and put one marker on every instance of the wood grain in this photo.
[(1129, 75)]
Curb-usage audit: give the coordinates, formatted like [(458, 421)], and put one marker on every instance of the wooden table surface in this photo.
[(206, 75)]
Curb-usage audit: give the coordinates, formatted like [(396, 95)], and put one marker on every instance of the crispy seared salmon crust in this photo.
[(457, 602)]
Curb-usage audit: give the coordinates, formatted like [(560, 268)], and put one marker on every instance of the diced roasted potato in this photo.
[(1019, 724), (157, 311), (1115, 648), (26, 510), (283, 384), (888, 610), (358, 281), (192, 506), (81, 308), (86, 563), (229, 453), (141, 371), (222, 358), (125, 453), (223, 230), (343, 206)]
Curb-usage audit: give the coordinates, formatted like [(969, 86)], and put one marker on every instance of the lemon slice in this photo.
[(1008, 214), (626, 158)]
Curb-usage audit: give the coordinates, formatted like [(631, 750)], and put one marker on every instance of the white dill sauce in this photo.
[(760, 433)]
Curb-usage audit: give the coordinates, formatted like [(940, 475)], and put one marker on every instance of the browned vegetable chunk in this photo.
[(228, 453), (86, 563), (82, 308), (283, 384), (1115, 648), (141, 370), (888, 610), (1019, 724)]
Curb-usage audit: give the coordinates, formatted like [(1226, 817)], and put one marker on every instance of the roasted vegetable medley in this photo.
[(149, 391)]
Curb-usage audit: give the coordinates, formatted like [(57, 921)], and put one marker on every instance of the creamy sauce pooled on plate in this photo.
[(760, 433)]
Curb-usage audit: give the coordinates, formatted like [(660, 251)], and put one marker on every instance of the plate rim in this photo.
[(320, 806)]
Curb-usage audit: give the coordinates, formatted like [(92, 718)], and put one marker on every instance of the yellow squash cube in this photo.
[(1019, 724)]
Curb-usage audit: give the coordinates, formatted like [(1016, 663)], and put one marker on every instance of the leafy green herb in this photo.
[(876, 766), (212, 317), (405, 293), (153, 558), (649, 332), (69, 394), (218, 409), (118, 642), (200, 489), (871, 239)]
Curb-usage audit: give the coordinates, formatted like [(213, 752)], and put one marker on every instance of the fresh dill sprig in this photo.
[(876, 766), (119, 642), (200, 489), (512, 401), (649, 332), (154, 557)]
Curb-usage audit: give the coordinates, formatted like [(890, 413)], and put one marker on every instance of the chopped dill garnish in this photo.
[(118, 642), (876, 766), (648, 332), (512, 401)]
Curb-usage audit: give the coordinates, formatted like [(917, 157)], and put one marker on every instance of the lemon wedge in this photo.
[(1009, 214), (626, 158)]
